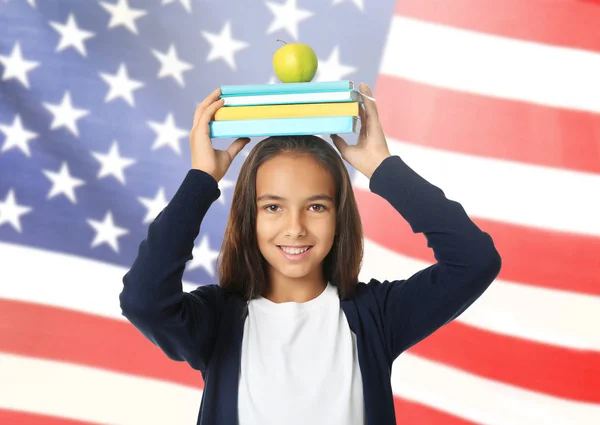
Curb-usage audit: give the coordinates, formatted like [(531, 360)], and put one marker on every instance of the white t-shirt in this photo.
[(299, 364)]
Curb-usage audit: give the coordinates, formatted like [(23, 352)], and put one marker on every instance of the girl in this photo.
[(289, 335)]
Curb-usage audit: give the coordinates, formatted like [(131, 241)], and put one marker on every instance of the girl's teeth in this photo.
[(293, 251)]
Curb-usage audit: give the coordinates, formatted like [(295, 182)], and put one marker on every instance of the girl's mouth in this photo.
[(292, 255)]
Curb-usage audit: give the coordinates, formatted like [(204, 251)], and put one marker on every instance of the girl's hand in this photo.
[(371, 147), (204, 156)]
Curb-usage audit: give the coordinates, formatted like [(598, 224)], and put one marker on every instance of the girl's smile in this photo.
[(295, 254)]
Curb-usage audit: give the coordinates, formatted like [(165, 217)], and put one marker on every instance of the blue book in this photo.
[(283, 126), (278, 88)]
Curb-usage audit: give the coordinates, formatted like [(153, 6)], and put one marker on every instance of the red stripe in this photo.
[(566, 373), (22, 418), (52, 333), (488, 127), (569, 23), (410, 413), (530, 256)]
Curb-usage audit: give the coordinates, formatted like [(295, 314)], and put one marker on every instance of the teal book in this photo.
[(293, 98), (279, 88), (283, 126)]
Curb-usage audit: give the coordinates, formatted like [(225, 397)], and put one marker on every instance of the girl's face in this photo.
[(295, 207)]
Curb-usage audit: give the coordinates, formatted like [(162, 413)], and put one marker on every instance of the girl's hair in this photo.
[(241, 267)]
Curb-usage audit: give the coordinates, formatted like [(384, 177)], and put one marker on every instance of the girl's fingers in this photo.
[(204, 104), (340, 144), (207, 116), (363, 121), (370, 106), (237, 146)]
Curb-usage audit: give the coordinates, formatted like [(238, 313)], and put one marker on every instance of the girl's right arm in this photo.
[(183, 325)]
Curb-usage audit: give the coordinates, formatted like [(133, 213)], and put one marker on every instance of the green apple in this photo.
[(295, 63)]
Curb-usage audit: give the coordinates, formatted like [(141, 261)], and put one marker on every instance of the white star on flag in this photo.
[(331, 69), (168, 134), (187, 4), (358, 3), (224, 184), (203, 256), (122, 14), (154, 206), (113, 164), (17, 136), (15, 66), (287, 16), (71, 35), (63, 183), (11, 211), (171, 65), (107, 232), (223, 46), (65, 115), (121, 85)]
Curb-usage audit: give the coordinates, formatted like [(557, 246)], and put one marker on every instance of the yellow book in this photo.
[(299, 110)]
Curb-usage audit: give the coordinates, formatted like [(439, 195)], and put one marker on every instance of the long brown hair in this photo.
[(242, 269)]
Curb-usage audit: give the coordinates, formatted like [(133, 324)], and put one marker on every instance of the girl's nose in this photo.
[(295, 225)]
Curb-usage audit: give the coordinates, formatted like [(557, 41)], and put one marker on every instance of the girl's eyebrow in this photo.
[(270, 197)]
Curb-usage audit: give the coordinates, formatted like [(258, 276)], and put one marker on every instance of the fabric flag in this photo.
[(497, 103)]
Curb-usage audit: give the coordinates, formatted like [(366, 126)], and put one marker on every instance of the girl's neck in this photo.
[(294, 291)]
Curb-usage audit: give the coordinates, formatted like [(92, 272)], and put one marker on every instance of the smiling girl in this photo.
[(290, 335)]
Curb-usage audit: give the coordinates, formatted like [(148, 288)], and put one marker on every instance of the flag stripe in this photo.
[(489, 127), (23, 418), (428, 383), (71, 336), (94, 395), (509, 192), (563, 319), (531, 256), (408, 412), (565, 23), (482, 400), (517, 362), (489, 65)]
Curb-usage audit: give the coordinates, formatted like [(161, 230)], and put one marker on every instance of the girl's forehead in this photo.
[(293, 178)]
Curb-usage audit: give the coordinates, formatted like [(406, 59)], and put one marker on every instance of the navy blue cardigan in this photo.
[(205, 327)]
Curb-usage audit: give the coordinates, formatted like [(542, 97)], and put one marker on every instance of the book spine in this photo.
[(282, 126), (287, 111), (277, 88), (292, 98)]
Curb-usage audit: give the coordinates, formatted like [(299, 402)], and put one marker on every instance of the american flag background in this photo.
[(495, 102)]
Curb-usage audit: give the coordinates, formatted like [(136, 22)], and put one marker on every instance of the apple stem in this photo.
[(282, 41)]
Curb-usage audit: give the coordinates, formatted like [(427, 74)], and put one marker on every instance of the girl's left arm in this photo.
[(467, 260)]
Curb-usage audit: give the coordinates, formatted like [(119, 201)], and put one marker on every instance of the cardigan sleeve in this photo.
[(467, 260), (183, 325)]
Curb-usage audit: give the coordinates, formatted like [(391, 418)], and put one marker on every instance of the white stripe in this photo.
[(483, 401), (101, 396), (474, 62), (523, 194), (78, 283), (95, 395), (561, 318)]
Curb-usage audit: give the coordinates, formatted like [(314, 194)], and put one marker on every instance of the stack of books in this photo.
[(256, 110)]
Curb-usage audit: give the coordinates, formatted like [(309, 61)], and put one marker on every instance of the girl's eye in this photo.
[(268, 207)]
